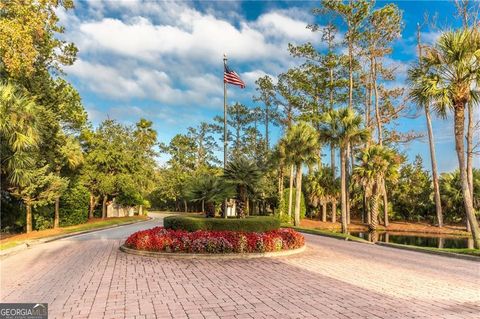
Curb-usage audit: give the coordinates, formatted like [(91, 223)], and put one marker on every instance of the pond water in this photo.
[(416, 239)]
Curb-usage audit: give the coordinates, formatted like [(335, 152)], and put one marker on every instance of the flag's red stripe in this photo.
[(233, 78)]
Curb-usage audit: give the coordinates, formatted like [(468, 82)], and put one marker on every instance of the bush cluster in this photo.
[(161, 239), (249, 224), (74, 205), (284, 207)]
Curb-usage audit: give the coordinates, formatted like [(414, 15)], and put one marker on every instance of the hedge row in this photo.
[(250, 224)]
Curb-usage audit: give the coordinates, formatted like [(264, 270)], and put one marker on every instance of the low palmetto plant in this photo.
[(452, 196), (321, 188), (244, 175), (375, 164), (210, 190)]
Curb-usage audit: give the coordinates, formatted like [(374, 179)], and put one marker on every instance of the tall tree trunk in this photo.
[(324, 211), (298, 195), (266, 127), (431, 144), (29, 217), (56, 218), (332, 159), (203, 206), (332, 146), (104, 206), (470, 148), (343, 189), (347, 181), (290, 193), (378, 119), (365, 207), (385, 205), (368, 92), (459, 118), (350, 73), (433, 159), (185, 206), (377, 107), (374, 208), (280, 190), (441, 242), (334, 211), (91, 207)]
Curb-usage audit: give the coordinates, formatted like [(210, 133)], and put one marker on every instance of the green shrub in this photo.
[(42, 223), (284, 208), (74, 205), (249, 224)]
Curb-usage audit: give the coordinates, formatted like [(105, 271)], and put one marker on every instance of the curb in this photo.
[(35, 242), (212, 256), (431, 252)]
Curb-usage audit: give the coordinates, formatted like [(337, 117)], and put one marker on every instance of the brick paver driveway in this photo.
[(87, 276)]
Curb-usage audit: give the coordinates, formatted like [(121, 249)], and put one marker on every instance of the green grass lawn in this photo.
[(36, 235), (327, 233), (463, 251)]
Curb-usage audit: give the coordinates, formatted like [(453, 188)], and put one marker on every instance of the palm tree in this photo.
[(19, 138), (300, 145), (348, 131), (321, 188), (452, 78), (244, 175), (376, 163), (416, 77), (452, 197), (315, 191), (210, 190), (18, 131), (71, 157)]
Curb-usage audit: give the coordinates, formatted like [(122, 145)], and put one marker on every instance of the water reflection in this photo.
[(416, 240)]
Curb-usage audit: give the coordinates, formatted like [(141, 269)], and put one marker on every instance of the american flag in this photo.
[(230, 76)]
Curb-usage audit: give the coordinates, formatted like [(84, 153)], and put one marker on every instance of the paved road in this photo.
[(88, 277)]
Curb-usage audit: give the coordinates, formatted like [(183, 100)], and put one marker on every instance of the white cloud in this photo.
[(105, 80), (281, 26), (128, 52), (250, 77), (203, 37)]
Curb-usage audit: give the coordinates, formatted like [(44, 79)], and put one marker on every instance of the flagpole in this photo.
[(224, 124), (224, 115)]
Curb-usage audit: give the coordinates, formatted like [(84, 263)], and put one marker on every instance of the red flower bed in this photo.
[(167, 240)]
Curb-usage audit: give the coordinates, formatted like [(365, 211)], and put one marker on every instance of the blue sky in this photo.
[(163, 60)]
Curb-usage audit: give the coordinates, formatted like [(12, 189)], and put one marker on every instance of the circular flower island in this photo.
[(195, 236)]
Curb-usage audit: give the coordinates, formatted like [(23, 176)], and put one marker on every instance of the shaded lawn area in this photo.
[(327, 233), (357, 226), (462, 251), (9, 241), (465, 251), (338, 234)]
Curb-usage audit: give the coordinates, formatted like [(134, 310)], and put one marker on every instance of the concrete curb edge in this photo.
[(212, 256)]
